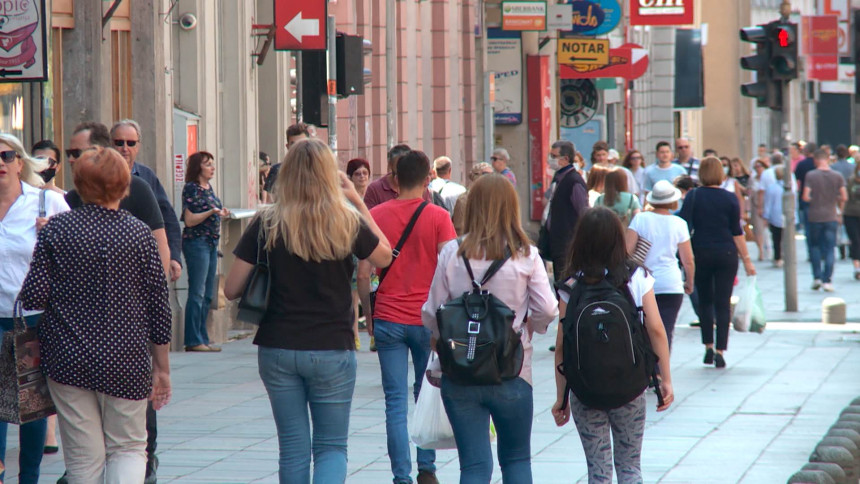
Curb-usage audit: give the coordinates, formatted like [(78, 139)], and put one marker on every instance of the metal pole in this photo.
[(489, 118), (391, 70), (789, 244), (300, 115), (332, 83)]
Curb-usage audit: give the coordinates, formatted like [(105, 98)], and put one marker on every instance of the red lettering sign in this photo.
[(823, 67), (820, 34), (661, 12)]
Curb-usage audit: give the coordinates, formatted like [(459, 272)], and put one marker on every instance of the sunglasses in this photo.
[(119, 143), (495, 158), (8, 156)]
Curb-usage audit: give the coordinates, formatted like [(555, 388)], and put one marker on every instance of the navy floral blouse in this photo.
[(198, 199)]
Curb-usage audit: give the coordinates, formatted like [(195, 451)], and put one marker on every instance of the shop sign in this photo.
[(505, 60), (583, 52), (594, 17), (661, 12), (523, 15), (629, 61), (179, 168), (23, 56)]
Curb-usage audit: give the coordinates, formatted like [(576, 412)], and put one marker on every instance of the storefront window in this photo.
[(12, 109)]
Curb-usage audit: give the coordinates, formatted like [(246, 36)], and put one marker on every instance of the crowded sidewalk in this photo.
[(755, 421)]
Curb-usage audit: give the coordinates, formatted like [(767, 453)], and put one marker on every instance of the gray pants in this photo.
[(627, 425)]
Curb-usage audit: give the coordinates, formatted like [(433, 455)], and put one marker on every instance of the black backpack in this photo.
[(608, 360), (477, 343)]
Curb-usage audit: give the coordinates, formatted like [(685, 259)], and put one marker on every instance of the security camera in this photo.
[(188, 21)]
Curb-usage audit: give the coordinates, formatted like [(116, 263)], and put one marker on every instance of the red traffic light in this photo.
[(784, 36)]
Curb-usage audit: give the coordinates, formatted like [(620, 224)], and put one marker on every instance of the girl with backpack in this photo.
[(598, 258), (616, 197), (493, 231)]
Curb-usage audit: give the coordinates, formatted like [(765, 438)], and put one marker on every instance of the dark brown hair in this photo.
[(101, 176), (598, 246), (615, 183), (356, 163), (298, 129), (193, 165), (596, 176), (628, 160)]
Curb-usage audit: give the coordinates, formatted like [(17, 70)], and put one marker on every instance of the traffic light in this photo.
[(351, 76), (783, 55), (766, 92)]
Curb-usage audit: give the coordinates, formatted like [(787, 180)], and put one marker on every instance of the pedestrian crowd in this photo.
[(438, 273)]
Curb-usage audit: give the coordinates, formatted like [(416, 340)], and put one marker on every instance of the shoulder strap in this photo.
[(408, 230), (491, 271), (42, 210), (262, 253)]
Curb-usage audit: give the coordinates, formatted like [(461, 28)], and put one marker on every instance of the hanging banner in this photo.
[(661, 12), (23, 55), (505, 59), (594, 17)]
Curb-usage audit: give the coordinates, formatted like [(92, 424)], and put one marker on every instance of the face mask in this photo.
[(726, 170), (552, 163), (48, 174)]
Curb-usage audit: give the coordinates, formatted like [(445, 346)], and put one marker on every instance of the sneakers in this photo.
[(719, 361), (857, 274), (828, 287), (151, 467), (427, 477), (778, 263), (816, 284), (709, 356), (372, 343)]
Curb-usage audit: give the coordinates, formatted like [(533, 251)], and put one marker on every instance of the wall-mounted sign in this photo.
[(595, 17), (558, 16), (661, 12), (505, 60), (820, 34), (578, 102), (518, 15), (629, 61), (822, 67), (23, 55), (583, 52)]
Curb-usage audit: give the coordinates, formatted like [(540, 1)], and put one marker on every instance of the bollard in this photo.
[(833, 311), (811, 477), (833, 470), (836, 455), (847, 444)]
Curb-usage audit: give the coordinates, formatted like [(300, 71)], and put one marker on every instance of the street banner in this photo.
[(23, 51), (523, 15), (661, 12), (822, 67), (504, 58), (820, 35), (629, 61), (594, 17)]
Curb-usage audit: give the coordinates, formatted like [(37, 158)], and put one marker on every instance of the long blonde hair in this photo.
[(31, 166), (493, 220), (311, 214)]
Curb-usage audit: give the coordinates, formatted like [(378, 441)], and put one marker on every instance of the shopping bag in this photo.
[(24, 394), (749, 313), (430, 427)]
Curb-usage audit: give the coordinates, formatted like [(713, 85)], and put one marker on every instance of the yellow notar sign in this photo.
[(583, 52)]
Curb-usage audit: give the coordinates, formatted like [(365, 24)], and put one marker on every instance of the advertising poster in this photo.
[(505, 59), (22, 41)]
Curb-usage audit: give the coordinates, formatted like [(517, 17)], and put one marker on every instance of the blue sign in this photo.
[(595, 17)]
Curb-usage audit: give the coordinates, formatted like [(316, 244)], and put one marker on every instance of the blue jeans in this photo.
[(322, 381), (822, 240), (469, 409), (394, 342), (31, 434), (201, 262)]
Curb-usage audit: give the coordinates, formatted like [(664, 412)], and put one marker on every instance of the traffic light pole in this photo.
[(789, 244), (331, 87), (299, 104)]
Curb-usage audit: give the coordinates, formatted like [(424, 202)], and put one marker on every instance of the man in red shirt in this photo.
[(396, 317)]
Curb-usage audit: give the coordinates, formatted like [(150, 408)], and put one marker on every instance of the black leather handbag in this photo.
[(255, 297)]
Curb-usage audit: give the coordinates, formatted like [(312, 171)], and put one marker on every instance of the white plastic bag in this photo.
[(430, 428), (749, 314)]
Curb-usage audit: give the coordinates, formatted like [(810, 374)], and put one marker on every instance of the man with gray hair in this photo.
[(449, 191), (500, 160), (567, 201)]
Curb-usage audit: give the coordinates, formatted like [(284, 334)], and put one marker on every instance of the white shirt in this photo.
[(665, 232), (639, 285), (521, 283), (17, 240), (450, 191)]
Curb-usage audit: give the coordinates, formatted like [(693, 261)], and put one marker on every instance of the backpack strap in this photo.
[(396, 252), (42, 210), (491, 271)]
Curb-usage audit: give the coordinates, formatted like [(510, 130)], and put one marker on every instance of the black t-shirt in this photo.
[(140, 202), (310, 303)]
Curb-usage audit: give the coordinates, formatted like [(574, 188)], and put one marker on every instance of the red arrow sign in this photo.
[(629, 61), (300, 25)]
